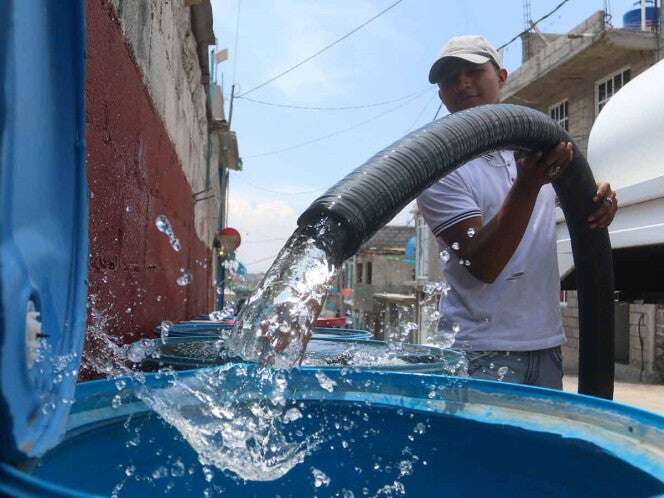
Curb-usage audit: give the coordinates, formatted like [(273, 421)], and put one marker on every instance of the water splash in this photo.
[(401, 330), (164, 226), (185, 278), (234, 422), (225, 314), (277, 321), (320, 478)]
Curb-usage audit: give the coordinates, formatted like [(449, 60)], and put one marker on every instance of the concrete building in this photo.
[(572, 77), (157, 145), (379, 269)]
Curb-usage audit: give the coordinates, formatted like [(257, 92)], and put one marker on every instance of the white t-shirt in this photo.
[(519, 311)]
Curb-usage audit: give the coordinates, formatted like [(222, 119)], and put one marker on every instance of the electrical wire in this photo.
[(545, 16), (334, 108), (642, 318), (440, 106), (264, 189), (334, 133), (261, 241), (419, 114), (316, 54), (251, 263)]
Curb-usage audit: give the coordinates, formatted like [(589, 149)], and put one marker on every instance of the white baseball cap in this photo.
[(472, 48)]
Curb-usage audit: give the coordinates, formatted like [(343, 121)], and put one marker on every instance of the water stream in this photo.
[(277, 321), (234, 421)]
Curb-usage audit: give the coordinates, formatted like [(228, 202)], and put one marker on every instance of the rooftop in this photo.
[(563, 58), (389, 239)]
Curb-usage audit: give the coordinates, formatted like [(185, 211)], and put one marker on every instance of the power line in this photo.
[(545, 16), (261, 260), (276, 239), (258, 187), (316, 54), (440, 106), (334, 108), (335, 133), (419, 114)]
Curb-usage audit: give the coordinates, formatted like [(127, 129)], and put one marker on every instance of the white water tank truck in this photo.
[(626, 147)]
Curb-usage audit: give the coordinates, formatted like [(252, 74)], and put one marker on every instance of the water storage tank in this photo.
[(632, 19), (185, 353), (202, 328), (383, 434), (377, 433), (43, 221), (626, 148)]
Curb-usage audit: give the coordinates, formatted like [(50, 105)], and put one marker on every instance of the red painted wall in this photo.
[(134, 175)]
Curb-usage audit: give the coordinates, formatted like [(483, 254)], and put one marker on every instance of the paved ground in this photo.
[(646, 396)]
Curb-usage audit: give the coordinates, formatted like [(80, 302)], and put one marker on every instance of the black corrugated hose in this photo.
[(374, 193)]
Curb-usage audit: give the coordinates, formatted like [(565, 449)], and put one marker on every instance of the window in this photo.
[(369, 272), (559, 113), (359, 273), (607, 87)]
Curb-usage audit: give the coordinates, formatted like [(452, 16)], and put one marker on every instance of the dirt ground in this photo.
[(646, 396)]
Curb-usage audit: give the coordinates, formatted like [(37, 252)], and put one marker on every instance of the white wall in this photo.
[(164, 47)]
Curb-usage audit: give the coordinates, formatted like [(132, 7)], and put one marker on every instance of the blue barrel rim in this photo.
[(472, 399), (196, 328)]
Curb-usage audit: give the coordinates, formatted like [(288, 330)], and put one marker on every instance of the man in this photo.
[(494, 221)]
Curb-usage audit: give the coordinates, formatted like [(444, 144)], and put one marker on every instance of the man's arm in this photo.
[(493, 244)]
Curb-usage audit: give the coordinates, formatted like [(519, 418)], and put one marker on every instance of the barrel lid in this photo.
[(43, 221)]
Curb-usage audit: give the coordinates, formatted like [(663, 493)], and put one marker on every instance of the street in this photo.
[(647, 396)]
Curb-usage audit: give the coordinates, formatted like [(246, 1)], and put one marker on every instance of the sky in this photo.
[(386, 61)]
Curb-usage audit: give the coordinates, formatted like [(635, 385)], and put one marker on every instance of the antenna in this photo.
[(527, 21), (527, 15)]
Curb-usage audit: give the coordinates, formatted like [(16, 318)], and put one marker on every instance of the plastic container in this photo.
[(196, 328), (398, 434), (183, 353), (331, 322), (43, 220), (336, 333), (632, 19)]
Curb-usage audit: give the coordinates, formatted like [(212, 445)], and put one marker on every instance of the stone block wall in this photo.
[(160, 37), (646, 341)]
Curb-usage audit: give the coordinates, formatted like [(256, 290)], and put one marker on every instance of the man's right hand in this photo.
[(537, 169)]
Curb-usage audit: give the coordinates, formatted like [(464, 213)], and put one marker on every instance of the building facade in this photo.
[(571, 77), (380, 268), (157, 146)]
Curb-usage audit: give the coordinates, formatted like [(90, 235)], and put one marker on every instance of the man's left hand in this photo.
[(608, 205)]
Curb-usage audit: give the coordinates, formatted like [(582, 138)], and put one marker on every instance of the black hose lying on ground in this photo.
[(374, 193)]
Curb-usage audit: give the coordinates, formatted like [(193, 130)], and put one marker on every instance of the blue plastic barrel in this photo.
[(184, 353), (43, 220), (194, 328), (388, 434), (335, 333), (204, 328)]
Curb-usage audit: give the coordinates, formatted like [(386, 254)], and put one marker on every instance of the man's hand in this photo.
[(535, 170), (608, 205)]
